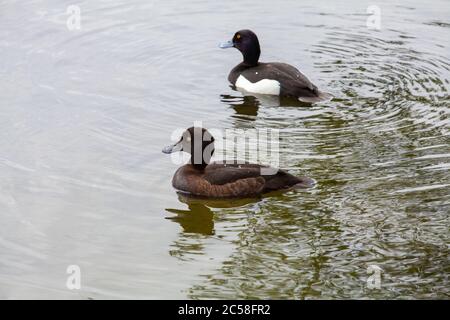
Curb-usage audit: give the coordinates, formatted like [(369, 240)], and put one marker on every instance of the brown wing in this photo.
[(219, 173), (246, 187), (232, 179)]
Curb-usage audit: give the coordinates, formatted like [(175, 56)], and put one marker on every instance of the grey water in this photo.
[(84, 114)]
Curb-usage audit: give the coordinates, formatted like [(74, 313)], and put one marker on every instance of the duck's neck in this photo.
[(199, 167), (251, 56), (201, 154)]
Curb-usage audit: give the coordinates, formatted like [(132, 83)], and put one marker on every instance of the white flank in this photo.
[(264, 86)]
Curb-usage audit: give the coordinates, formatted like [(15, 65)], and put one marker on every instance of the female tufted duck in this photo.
[(273, 78), (225, 179)]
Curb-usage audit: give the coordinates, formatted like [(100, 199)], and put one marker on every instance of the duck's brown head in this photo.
[(198, 142)]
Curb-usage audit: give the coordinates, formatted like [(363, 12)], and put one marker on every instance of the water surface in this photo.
[(85, 113)]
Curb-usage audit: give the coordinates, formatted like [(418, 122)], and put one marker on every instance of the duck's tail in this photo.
[(320, 97)]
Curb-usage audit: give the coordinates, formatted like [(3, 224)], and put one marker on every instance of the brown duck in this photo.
[(225, 179)]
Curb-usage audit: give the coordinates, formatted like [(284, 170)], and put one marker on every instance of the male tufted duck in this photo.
[(273, 78), (225, 179)]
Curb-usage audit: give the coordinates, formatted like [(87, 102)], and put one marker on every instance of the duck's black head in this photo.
[(198, 142), (247, 43)]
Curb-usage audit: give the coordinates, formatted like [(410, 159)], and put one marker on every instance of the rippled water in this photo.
[(84, 115)]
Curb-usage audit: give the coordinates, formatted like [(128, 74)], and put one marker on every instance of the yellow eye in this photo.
[(238, 36)]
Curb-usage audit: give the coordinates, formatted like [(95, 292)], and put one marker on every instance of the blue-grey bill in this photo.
[(172, 148), (225, 45)]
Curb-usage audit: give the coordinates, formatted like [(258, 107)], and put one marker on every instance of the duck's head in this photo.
[(247, 43), (196, 141)]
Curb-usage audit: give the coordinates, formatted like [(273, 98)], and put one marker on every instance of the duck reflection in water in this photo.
[(248, 105), (199, 218)]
